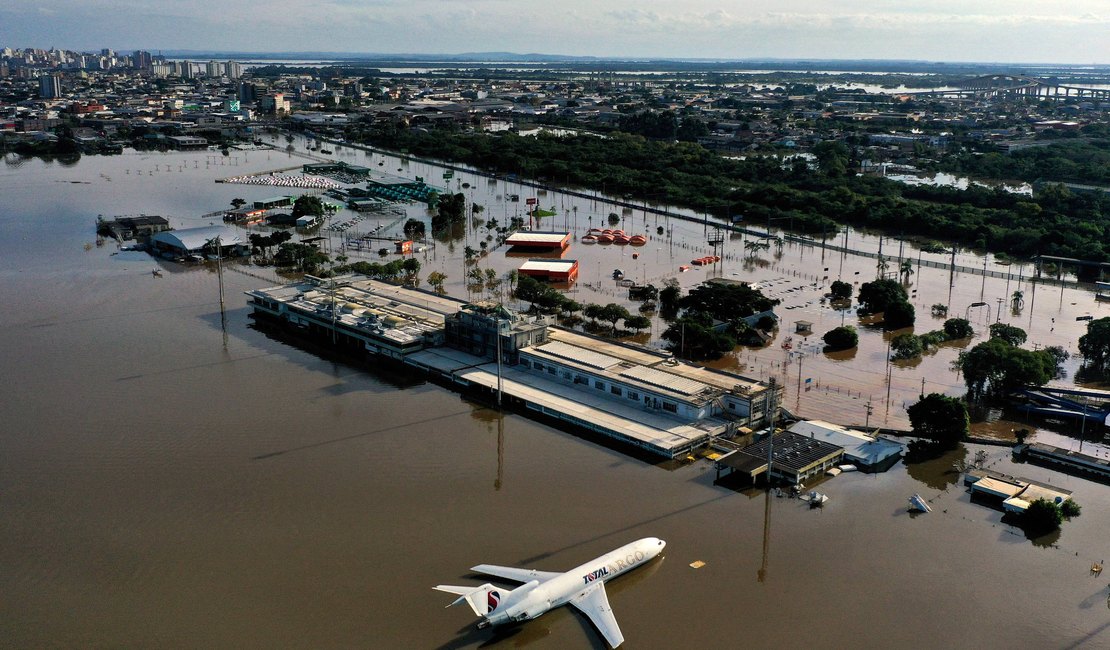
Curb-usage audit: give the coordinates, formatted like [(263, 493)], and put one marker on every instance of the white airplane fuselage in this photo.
[(535, 598)]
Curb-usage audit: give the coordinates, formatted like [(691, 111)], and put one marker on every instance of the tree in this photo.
[(995, 368), (906, 270), (691, 337), (898, 315), (754, 246), (669, 295), (436, 280), (308, 205), (939, 418), (841, 338), (1042, 516), (1095, 344), (958, 328), (637, 322), (874, 297), (832, 157), (450, 209), (542, 296), (302, 257), (840, 290), (414, 229), (726, 302), (1013, 335), (237, 203), (906, 346), (1069, 508)]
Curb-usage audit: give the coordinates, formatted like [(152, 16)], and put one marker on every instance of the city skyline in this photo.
[(1049, 31)]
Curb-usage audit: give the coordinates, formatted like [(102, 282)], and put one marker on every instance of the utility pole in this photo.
[(867, 421), (772, 384), (497, 342)]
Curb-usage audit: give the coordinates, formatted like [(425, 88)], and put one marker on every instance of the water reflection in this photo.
[(938, 473)]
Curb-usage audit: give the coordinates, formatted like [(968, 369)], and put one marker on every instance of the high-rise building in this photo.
[(214, 69), (186, 69), (141, 60), (232, 70), (50, 86)]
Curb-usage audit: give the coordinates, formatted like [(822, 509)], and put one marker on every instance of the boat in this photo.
[(919, 504)]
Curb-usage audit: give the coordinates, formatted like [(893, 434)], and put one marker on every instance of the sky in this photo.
[(1029, 31)]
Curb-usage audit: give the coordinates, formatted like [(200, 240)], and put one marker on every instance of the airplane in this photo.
[(582, 587)]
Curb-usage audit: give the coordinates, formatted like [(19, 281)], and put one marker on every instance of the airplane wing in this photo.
[(595, 605), (514, 574)]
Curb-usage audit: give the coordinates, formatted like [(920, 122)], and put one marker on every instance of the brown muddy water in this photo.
[(174, 477)]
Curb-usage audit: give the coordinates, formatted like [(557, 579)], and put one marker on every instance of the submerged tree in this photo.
[(940, 418)]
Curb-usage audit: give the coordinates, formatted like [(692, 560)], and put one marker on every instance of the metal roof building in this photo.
[(551, 270), (195, 240), (539, 240), (795, 458), (865, 452)]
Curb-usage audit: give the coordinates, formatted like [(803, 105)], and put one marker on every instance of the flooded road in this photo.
[(176, 477)]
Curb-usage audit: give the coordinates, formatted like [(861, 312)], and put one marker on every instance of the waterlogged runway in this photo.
[(174, 478)]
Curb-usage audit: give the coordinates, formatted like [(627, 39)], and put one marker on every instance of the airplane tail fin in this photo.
[(482, 600)]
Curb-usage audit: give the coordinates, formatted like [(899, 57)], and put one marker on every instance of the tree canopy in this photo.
[(1008, 333), (726, 302), (898, 315), (994, 368), (876, 296), (308, 205), (958, 328), (844, 337), (1095, 344), (840, 290), (939, 418), (1053, 222)]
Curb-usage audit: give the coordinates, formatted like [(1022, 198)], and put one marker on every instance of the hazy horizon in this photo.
[(968, 31)]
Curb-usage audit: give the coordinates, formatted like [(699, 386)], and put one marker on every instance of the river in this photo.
[(175, 476)]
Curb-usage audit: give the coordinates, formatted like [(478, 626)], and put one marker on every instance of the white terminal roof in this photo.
[(579, 355), (660, 379), (536, 237), (548, 265), (192, 239), (621, 369)]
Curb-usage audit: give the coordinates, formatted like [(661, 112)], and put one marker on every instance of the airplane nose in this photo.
[(662, 544)]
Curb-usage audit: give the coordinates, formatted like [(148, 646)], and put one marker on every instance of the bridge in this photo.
[(1003, 85)]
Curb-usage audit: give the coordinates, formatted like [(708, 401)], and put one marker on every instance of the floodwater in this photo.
[(174, 476)]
